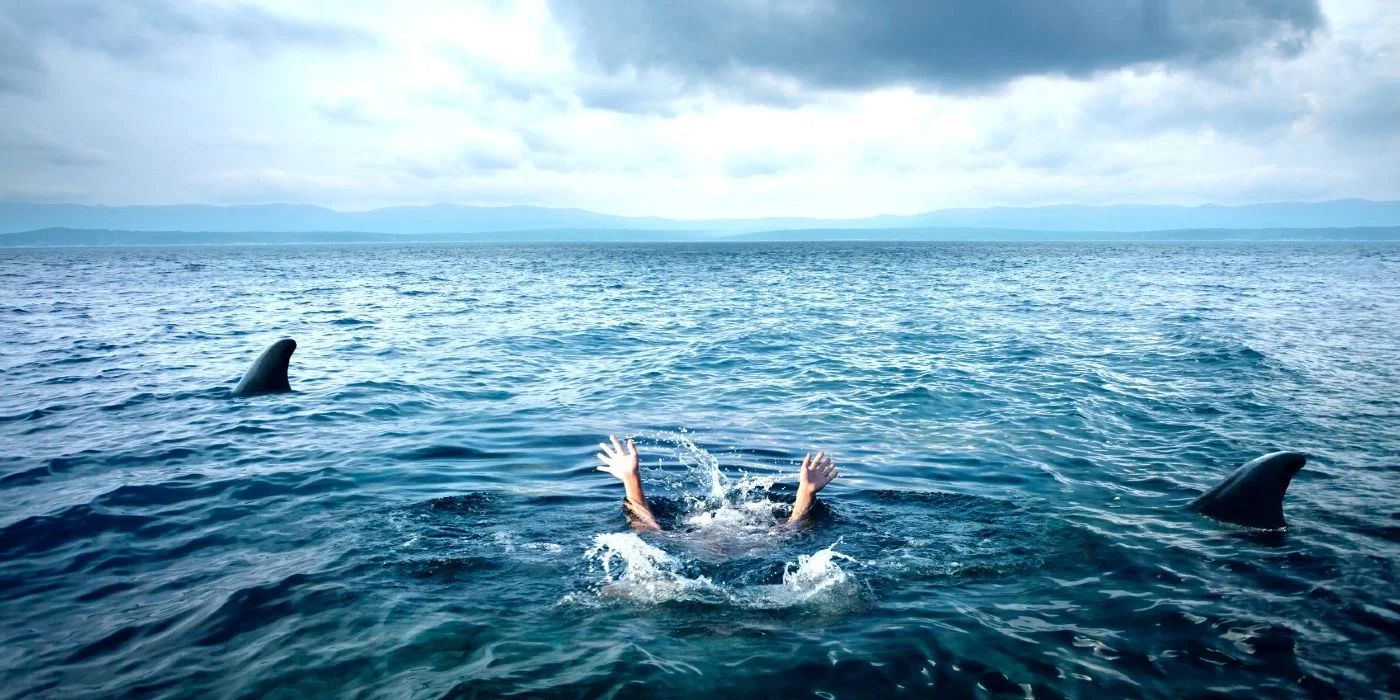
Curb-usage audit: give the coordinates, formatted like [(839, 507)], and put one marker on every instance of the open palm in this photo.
[(619, 460), (816, 472)]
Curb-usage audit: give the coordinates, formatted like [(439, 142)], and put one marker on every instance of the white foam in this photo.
[(815, 580), (642, 572), (733, 509), (639, 571), (509, 543)]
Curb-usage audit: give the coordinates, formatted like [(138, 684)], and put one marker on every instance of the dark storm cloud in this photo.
[(963, 46), (141, 29)]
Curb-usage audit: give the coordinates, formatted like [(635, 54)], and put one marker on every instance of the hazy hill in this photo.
[(452, 218), (105, 237), (1342, 213), (108, 237), (1358, 234)]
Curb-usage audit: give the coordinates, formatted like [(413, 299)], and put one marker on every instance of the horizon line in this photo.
[(925, 212)]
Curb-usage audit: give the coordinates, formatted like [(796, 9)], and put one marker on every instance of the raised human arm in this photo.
[(814, 474), (623, 463)]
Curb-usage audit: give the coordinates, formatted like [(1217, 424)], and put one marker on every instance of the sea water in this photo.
[(1017, 425)]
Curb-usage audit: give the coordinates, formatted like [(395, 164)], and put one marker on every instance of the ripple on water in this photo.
[(1019, 425)]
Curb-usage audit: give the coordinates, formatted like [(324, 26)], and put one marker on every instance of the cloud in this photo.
[(348, 111), (468, 151), (1367, 114), (665, 93), (1260, 109), (819, 107), (265, 185), (763, 162), (36, 146), (143, 30), (19, 65), (968, 46), (496, 78), (456, 163)]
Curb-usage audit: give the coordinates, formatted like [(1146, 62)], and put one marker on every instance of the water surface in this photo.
[(1019, 425)]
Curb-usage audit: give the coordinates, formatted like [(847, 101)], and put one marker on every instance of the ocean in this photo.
[(1019, 428)]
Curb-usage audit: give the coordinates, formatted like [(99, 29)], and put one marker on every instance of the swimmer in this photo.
[(622, 462)]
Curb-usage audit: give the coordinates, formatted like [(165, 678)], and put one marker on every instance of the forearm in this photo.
[(636, 503), (805, 500), (633, 485)]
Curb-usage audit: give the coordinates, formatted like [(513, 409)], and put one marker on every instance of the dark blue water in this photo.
[(1020, 426)]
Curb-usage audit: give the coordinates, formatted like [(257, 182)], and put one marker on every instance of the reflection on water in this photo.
[(1018, 427)]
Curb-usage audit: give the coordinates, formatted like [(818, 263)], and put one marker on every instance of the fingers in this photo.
[(806, 461), (602, 457), (821, 466), (616, 450)]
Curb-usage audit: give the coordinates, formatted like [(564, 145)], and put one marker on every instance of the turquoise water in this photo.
[(1019, 426)]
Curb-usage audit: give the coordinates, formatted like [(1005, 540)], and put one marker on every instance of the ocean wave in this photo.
[(1018, 426)]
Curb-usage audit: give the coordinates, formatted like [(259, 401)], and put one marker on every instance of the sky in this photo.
[(723, 108)]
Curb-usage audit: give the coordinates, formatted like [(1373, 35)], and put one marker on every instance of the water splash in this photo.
[(638, 571), (815, 581), (722, 520), (697, 467), (723, 514)]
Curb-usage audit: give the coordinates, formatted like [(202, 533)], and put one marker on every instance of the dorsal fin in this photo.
[(268, 374), (1253, 494)]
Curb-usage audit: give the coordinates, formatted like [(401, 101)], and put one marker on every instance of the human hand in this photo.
[(815, 473), (621, 462)]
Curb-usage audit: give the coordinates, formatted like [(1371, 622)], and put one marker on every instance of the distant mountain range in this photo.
[(458, 219), (108, 237)]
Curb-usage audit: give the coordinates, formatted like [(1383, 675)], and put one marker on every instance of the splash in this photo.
[(723, 514), (724, 517), (698, 466), (639, 571), (636, 570), (816, 572), (815, 582)]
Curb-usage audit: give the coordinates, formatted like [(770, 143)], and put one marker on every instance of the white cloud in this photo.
[(486, 104), (37, 148)]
